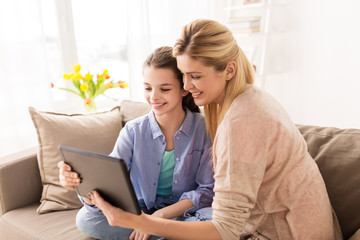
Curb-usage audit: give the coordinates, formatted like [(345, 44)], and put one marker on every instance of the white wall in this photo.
[(320, 84)]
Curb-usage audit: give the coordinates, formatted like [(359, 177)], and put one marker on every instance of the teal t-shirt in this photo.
[(164, 187)]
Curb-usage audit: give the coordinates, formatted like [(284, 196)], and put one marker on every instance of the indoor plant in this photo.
[(89, 86)]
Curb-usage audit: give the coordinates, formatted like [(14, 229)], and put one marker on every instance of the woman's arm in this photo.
[(155, 226)]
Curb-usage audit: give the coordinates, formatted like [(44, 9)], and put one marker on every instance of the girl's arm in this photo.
[(155, 226), (174, 210)]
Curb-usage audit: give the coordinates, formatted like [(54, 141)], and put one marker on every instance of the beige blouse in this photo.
[(266, 183)]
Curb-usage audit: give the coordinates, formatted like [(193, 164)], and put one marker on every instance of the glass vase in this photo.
[(90, 106)]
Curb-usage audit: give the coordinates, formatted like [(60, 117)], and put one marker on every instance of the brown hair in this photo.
[(162, 58), (214, 45)]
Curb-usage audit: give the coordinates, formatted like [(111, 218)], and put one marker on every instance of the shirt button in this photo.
[(154, 184), (177, 138), (158, 164), (176, 181), (177, 159)]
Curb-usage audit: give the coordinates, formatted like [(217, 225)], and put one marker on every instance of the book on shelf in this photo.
[(244, 19), (251, 1), (249, 24), (245, 30)]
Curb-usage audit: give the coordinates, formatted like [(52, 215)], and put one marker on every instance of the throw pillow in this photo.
[(95, 132), (336, 152)]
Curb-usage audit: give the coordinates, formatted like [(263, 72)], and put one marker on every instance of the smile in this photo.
[(157, 105), (195, 94)]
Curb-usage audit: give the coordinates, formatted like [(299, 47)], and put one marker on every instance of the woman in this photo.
[(267, 186), (168, 152)]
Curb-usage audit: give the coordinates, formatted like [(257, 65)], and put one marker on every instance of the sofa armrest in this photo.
[(20, 182)]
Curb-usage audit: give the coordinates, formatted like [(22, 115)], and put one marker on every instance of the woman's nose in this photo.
[(187, 82)]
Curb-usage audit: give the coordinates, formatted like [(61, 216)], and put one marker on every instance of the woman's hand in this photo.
[(68, 179), (138, 235), (114, 215)]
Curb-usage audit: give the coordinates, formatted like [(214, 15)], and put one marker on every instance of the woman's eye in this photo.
[(195, 77), (165, 89), (147, 89)]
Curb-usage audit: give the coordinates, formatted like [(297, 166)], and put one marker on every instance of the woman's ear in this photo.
[(230, 70)]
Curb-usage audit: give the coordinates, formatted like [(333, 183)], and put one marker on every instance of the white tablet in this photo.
[(107, 175)]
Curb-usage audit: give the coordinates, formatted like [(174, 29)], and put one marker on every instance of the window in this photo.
[(94, 36)]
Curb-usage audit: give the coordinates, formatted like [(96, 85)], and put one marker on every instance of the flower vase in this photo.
[(90, 106)]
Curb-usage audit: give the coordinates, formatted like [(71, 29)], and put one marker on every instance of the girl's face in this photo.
[(205, 84), (162, 90)]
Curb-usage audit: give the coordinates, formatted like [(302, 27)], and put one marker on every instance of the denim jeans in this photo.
[(96, 225)]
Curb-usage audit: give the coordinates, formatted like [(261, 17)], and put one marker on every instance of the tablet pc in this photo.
[(107, 175)]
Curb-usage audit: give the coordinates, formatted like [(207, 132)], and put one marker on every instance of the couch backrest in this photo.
[(337, 153), (132, 109)]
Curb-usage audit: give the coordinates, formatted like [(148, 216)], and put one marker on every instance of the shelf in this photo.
[(249, 23)]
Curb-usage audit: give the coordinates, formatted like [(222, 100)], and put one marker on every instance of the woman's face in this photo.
[(162, 90), (205, 84)]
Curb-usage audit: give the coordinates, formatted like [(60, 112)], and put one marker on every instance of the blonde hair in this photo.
[(214, 45)]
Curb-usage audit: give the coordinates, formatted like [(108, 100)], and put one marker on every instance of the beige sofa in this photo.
[(336, 151)]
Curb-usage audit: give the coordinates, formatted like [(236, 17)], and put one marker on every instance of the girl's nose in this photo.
[(154, 95)]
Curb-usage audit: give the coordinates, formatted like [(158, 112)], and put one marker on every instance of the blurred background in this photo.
[(305, 52)]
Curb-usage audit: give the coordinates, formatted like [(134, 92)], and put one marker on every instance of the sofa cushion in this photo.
[(132, 109), (25, 223), (94, 132), (337, 153)]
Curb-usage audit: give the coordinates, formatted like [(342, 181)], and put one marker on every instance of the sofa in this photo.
[(28, 212)]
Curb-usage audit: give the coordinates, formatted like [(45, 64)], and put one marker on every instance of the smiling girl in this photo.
[(168, 152)]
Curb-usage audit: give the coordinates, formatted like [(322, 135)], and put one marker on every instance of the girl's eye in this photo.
[(195, 77), (147, 89), (165, 89)]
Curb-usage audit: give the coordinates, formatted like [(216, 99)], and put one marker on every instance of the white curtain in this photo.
[(26, 73), (156, 23), (23, 76)]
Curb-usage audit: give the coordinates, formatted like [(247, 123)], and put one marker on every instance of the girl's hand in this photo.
[(68, 179), (138, 235)]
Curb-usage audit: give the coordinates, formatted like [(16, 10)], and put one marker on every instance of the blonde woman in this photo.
[(267, 186)]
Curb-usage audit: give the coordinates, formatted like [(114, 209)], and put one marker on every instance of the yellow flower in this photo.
[(66, 76), (77, 68), (105, 73), (78, 76), (72, 76), (88, 76), (83, 87)]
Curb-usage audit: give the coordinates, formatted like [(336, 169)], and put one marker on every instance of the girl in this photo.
[(168, 152), (267, 186)]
